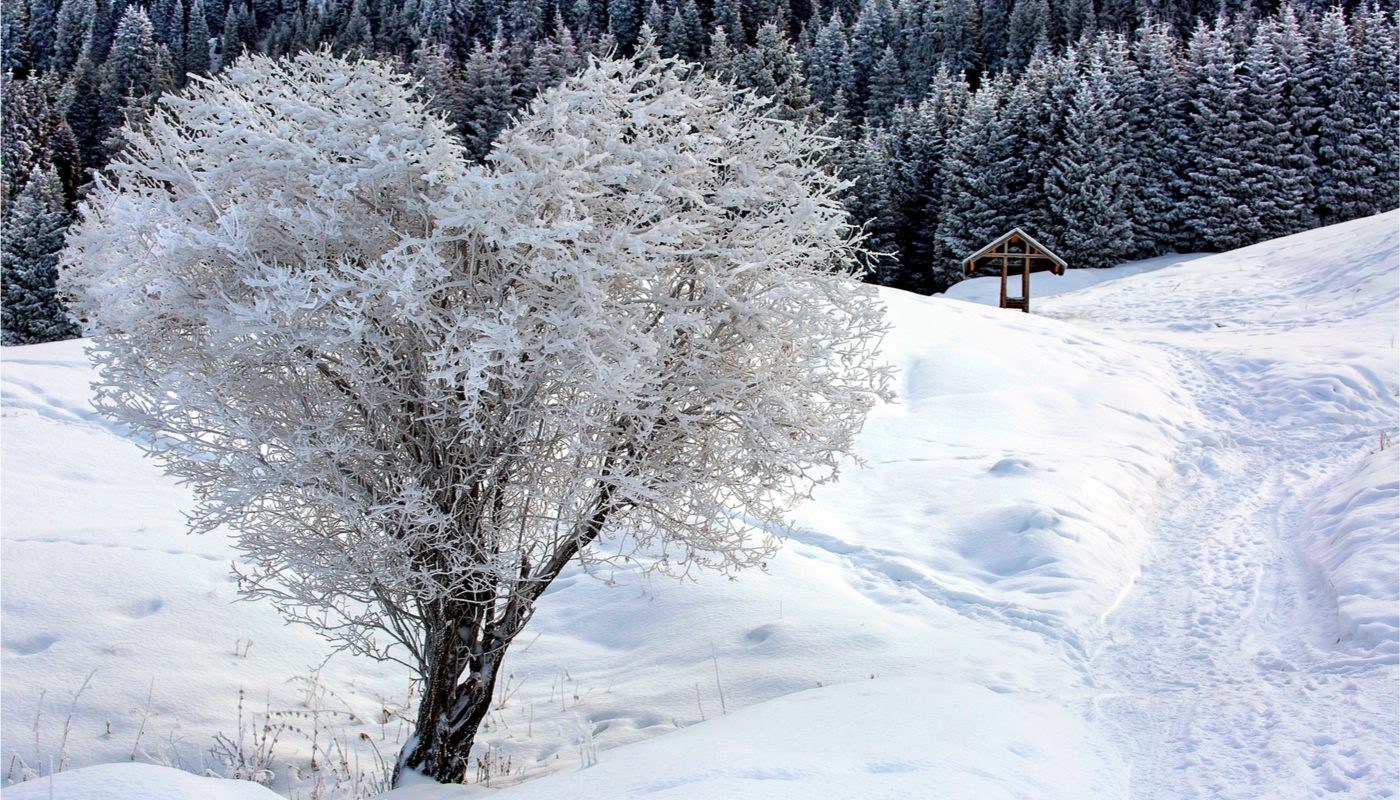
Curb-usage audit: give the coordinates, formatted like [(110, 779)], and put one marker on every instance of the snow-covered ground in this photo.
[(987, 290), (1142, 542)]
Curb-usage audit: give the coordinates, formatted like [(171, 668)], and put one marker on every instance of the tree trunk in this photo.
[(456, 697)]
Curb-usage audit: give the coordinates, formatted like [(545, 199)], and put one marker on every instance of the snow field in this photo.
[(1093, 553), (991, 529)]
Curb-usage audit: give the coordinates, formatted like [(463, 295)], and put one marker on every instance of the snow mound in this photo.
[(986, 290), (135, 782), (1351, 537), (865, 739)]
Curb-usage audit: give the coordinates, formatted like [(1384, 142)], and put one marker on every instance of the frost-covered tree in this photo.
[(32, 238), (1087, 184), (42, 18), (1279, 125), (131, 74), (979, 201), (994, 16), (14, 39), (1159, 141), (418, 389), (1028, 32), (957, 29), (624, 21), (886, 88), (73, 28), (34, 133), (1376, 39), (195, 59), (771, 68), (828, 64), (1345, 173), (1216, 206)]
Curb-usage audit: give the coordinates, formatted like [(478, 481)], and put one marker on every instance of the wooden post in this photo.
[(1026, 284), (1004, 268)]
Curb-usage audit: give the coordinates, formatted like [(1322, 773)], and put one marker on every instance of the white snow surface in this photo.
[(133, 781), (1142, 542), (986, 289)]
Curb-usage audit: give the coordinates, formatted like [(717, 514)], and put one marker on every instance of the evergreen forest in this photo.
[(1109, 129)]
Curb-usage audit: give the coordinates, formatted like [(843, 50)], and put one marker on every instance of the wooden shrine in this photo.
[(1015, 252)]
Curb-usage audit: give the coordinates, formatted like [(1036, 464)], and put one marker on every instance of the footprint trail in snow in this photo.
[(1225, 671)]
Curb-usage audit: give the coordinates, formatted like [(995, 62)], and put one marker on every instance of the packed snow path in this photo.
[(1221, 669), (1224, 672)]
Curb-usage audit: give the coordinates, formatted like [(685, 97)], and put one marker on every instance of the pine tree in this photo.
[(979, 201), (71, 33), (685, 35), (43, 18), (240, 31), (1216, 205), (829, 63), (1086, 186), (957, 34), (771, 68), (552, 59), (899, 181), (925, 141), (1277, 160), (85, 114), (1034, 124), (723, 61), (485, 100), (920, 46), (1027, 33), (131, 72), (624, 21), (730, 19), (355, 35), (440, 76), (995, 18), (434, 22), (886, 88), (1345, 173), (1120, 15), (104, 29), (524, 19), (876, 29), (34, 134), (876, 200), (32, 236), (655, 18), (15, 57), (195, 58), (1077, 20), (166, 20), (1376, 45), (1159, 141)]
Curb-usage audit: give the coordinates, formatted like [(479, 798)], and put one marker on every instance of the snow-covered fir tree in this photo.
[(31, 239), (1087, 185)]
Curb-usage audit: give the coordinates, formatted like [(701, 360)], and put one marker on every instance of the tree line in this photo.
[(1110, 128)]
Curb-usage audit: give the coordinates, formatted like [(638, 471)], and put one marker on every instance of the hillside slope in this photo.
[(1134, 543)]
